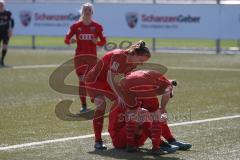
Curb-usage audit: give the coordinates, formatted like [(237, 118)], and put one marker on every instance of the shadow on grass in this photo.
[(5, 67), (143, 154), (63, 112)]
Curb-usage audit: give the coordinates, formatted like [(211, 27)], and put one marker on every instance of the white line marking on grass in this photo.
[(203, 121), (48, 142), (204, 68), (35, 66), (106, 133), (169, 67)]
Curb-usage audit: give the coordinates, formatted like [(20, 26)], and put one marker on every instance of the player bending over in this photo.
[(140, 89), (118, 131), (99, 80)]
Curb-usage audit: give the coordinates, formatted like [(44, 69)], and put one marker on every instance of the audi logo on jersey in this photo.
[(86, 36)]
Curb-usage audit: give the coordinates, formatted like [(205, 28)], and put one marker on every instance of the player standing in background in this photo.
[(87, 33), (6, 26), (99, 80)]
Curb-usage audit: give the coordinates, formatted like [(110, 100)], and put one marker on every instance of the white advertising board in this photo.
[(230, 22), (132, 20), (43, 19), (165, 21)]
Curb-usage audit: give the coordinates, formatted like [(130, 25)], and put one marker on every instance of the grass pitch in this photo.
[(208, 88), (45, 41)]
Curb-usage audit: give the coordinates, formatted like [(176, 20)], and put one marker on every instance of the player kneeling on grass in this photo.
[(143, 130), (140, 89), (117, 129)]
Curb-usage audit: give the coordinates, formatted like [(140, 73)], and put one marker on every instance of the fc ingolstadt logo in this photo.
[(25, 17), (132, 19)]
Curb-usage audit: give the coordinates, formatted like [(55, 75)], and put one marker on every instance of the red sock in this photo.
[(156, 134), (166, 133), (98, 124), (82, 93), (83, 100), (146, 126), (146, 130), (130, 132)]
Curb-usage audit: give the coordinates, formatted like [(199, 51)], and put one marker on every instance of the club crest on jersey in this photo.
[(132, 19), (92, 29), (79, 29), (25, 17)]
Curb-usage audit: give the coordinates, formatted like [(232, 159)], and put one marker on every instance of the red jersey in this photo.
[(84, 35), (143, 82), (115, 61), (96, 79)]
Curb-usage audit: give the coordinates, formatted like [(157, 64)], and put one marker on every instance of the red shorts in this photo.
[(150, 104), (100, 88), (84, 63)]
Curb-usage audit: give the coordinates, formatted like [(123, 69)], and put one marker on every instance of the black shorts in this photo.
[(4, 37)]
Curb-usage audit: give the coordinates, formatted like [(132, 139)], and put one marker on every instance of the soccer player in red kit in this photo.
[(143, 87), (117, 128), (88, 35), (172, 144), (140, 86), (99, 80)]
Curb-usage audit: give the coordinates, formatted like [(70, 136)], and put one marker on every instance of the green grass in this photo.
[(27, 107), (215, 140), (46, 41)]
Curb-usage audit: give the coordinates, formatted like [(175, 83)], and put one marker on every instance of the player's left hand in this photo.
[(163, 113), (73, 41), (164, 117), (94, 40)]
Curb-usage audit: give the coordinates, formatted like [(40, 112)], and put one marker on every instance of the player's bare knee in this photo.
[(100, 102)]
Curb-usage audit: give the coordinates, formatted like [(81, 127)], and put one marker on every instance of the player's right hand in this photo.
[(67, 41)]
